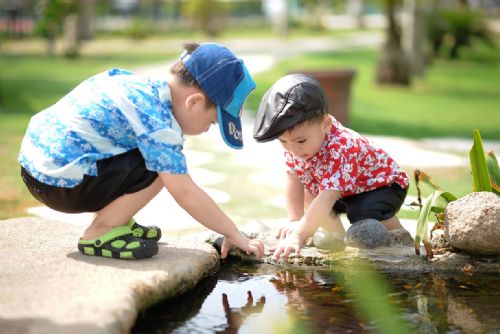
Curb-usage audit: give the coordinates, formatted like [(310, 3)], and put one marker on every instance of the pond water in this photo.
[(246, 298)]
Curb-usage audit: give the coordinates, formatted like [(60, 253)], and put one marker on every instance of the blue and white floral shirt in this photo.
[(108, 114)]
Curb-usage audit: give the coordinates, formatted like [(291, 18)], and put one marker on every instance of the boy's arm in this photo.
[(294, 195), (317, 213), (201, 207)]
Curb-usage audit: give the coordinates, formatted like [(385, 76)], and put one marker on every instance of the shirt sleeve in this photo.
[(289, 163)]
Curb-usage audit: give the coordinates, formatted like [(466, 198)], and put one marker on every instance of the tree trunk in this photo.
[(414, 36), (51, 44), (85, 20), (282, 20), (393, 66), (71, 46)]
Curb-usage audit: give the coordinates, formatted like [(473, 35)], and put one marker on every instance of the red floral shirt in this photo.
[(347, 162)]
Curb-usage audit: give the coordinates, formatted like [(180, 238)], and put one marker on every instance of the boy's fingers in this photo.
[(277, 253), (223, 254), (261, 250), (224, 249), (287, 252), (287, 232), (255, 251), (279, 233)]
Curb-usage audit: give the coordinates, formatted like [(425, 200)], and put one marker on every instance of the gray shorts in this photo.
[(380, 204), (119, 175)]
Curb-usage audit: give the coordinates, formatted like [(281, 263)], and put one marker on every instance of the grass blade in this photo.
[(494, 171), (478, 165)]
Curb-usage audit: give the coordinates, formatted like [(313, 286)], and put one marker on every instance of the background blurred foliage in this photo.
[(451, 29)]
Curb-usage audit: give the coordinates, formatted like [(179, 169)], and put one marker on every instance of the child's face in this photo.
[(306, 139)]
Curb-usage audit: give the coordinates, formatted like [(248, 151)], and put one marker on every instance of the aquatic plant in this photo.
[(485, 177), (436, 202)]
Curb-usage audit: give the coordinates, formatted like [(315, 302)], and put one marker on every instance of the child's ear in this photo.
[(195, 100), (326, 124)]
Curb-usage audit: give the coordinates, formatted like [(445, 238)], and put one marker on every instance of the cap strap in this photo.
[(185, 56)]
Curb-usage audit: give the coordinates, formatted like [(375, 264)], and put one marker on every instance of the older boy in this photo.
[(331, 169), (114, 141)]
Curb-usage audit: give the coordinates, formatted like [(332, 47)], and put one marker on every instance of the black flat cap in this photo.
[(291, 100)]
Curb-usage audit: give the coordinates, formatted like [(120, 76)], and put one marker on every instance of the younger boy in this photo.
[(331, 169), (112, 143)]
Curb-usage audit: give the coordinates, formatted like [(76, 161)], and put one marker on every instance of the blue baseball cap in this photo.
[(226, 81)]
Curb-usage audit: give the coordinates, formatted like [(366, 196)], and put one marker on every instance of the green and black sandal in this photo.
[(119, 243), (144, 232)]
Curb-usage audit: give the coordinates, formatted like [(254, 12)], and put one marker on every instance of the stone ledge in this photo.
[(396, 258), (47, 286)]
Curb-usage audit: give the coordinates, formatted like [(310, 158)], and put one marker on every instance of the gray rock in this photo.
[(439, 242), (472, 223), (367, 233), (401, 237)]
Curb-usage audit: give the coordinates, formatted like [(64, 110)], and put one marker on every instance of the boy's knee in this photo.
[(334, 214)]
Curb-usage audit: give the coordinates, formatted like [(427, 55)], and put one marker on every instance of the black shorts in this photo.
[(119, 175), (380, 204)]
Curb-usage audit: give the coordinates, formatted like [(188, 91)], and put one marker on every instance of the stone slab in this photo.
[(47, 286)]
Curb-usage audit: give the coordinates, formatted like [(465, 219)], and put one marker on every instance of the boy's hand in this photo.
[(286, 230), (250, 246), (291, 244)]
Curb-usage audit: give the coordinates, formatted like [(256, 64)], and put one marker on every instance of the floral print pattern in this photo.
[(347, 162)]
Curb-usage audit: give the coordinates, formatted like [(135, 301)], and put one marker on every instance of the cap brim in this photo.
[(230, 129)]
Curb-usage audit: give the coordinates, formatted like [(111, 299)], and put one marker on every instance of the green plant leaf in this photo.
[(435, 202), (480, 176), (494, 171)]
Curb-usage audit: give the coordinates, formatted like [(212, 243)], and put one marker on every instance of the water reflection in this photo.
[(264, 299), (236, 316), (318, 300), (451, 304)]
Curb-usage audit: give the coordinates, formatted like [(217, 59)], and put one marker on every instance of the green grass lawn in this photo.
[(29, 84), (452, 99)]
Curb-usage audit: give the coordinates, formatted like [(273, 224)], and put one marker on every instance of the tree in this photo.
[(53, 15), (85, 18), (456, 28), (414, 35), (205, 14), (393, 66)]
